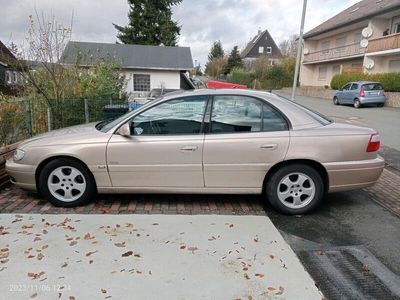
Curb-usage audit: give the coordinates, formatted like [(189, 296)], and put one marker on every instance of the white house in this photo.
[(145, 67)]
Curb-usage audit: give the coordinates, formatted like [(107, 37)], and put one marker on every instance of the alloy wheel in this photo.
[(296, 190), (66, 183)]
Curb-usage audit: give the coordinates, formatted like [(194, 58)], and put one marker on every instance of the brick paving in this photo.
[(14, 200)]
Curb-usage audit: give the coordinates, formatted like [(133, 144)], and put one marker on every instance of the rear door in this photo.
[(342, 93), (246, 137), (353, 93)]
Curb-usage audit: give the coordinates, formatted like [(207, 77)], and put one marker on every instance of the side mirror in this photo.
[(124, 130)]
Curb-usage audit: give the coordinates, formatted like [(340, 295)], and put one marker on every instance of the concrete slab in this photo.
[(148, 257)]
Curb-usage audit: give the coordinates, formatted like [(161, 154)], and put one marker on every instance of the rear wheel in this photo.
[(357, 103), (380, 104), (295, 189), (336, 100), (66, 182)]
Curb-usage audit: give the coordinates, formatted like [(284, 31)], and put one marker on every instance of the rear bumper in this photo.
[(372, 100), (345, 176), (21, 175)]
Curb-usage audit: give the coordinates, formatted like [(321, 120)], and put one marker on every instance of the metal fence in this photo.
[(41, 116)]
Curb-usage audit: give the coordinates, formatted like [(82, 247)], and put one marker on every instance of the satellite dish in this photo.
[(306, 51), (366, 32), (369, 63), (364, 43)]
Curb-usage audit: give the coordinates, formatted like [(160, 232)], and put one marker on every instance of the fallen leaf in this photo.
[(33, 295), (72, 298), (155, 224), (73, 243), (64, 265), (320, 253), (271, 289), (37, 239), (245, 269), (129, 253), (44, 231), (103, 291), (90, 262), (281, 290), (88, 237), (259, 275), (137, 255), (193, 249), (91, 252), (182, 247), (120, 245), (27, 226), (246, 276), (40, 256), (45, 246), (231, 225), (271, 256), (365, 269)]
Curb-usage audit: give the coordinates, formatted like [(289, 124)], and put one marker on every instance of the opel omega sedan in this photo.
[(204, 141)]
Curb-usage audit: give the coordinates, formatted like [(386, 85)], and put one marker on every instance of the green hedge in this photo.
[(389, 81), (240, 76)]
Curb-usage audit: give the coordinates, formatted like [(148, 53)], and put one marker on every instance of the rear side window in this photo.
[(372, 87), (233, 114)]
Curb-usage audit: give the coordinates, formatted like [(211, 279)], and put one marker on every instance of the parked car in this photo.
[(157, 93), (360, 93), (204, 141)]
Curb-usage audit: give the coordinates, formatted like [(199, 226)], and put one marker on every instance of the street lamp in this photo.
[(299, 48)]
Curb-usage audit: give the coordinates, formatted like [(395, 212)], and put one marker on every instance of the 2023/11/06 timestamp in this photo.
[(39, 287)]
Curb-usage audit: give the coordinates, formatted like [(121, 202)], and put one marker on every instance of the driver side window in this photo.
[(346, 87), (178, 116)]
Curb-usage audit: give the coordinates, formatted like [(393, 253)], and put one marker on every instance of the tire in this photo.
[(300, 180), (380, 104), (67, 183), (357, 103), (336, 101)]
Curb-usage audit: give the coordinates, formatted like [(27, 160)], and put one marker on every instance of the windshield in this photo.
[(314, 114), (106, 125)]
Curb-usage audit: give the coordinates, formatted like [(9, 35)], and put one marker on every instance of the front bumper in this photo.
[(345, 176), (21, 174)]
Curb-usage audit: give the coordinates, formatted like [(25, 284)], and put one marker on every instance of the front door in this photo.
[(247, 136), (165, 147)]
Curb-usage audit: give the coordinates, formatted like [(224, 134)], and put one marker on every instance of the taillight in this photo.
[(374, 143), (362, 92), (383, 93)]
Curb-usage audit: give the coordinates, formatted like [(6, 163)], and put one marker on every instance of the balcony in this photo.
[(385, 45), (332, 54)]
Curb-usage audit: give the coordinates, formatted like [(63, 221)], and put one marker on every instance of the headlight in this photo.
[(19, 154)]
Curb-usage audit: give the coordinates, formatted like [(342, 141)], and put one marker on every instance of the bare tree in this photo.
[(288, 47)]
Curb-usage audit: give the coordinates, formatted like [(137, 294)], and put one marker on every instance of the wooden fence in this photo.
[(5, 153)]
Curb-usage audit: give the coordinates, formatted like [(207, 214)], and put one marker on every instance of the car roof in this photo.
[(365, 82)]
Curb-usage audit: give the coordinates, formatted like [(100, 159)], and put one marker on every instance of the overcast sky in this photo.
[(233, 22)]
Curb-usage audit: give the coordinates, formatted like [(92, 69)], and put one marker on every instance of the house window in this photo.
[(141, 82), (269, 50), (325, 47), (14, 77), (336, 69), (394, 66), (340, 44), (8, 77), (322, 73), (261, 49)]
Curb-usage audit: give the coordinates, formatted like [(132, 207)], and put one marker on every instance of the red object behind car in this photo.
[(212, 84)]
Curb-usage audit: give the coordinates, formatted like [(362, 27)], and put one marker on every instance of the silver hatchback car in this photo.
[(360, 93)]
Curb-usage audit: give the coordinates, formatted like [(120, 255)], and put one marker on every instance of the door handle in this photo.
[(189, 148), (269, 146)]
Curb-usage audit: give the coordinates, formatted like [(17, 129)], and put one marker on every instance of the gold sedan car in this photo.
[(204, 141)]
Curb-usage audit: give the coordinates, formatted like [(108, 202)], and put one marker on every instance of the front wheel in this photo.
[(66, 182), (336, 100), (295, 189), (380, 104)]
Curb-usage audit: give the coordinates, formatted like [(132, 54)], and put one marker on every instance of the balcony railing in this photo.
[(384, 43), (334, 53)]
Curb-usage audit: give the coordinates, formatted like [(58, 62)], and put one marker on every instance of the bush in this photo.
[(390, 81), (11, 117), (240, 76)]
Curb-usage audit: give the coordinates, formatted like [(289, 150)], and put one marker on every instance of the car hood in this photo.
[(86, 133)]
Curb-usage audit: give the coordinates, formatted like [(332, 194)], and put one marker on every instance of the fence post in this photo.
[(86, 110), (48, 119)]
